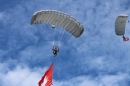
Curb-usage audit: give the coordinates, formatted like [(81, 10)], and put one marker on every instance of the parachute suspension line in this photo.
[(46, 33), (39, 30), (60, 34), (60, 41), (49, 32), (54, 36), (43, 30), (46, 38), (66, 38)]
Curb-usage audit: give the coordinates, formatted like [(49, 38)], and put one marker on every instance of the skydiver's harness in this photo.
[(55, 50)]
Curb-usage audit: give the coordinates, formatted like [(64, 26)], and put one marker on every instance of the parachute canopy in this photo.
[(120, 24), (60, 19)]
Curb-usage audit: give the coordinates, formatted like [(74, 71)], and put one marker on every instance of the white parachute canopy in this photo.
[(120, 24), (57, 19)]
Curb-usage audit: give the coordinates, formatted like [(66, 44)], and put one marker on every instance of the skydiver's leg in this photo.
[(54, 55)]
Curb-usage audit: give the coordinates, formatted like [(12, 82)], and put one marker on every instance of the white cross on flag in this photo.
[(46, 80)]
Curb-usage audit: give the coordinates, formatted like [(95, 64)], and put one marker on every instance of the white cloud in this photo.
[(20, 76)]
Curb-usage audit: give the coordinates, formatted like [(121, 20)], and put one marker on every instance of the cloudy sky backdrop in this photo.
[(97, 58)]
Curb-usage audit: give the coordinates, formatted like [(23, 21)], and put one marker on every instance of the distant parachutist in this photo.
[(55, 50), (120, 25)]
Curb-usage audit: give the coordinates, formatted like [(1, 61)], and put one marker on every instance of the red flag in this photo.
[(126, 39), (46, 80)]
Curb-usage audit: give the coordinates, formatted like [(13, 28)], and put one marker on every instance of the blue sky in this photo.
[(97, 58)]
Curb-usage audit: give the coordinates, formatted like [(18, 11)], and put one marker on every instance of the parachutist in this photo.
[(55, 50), (120, 24), (125, 38), (53, 18)]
